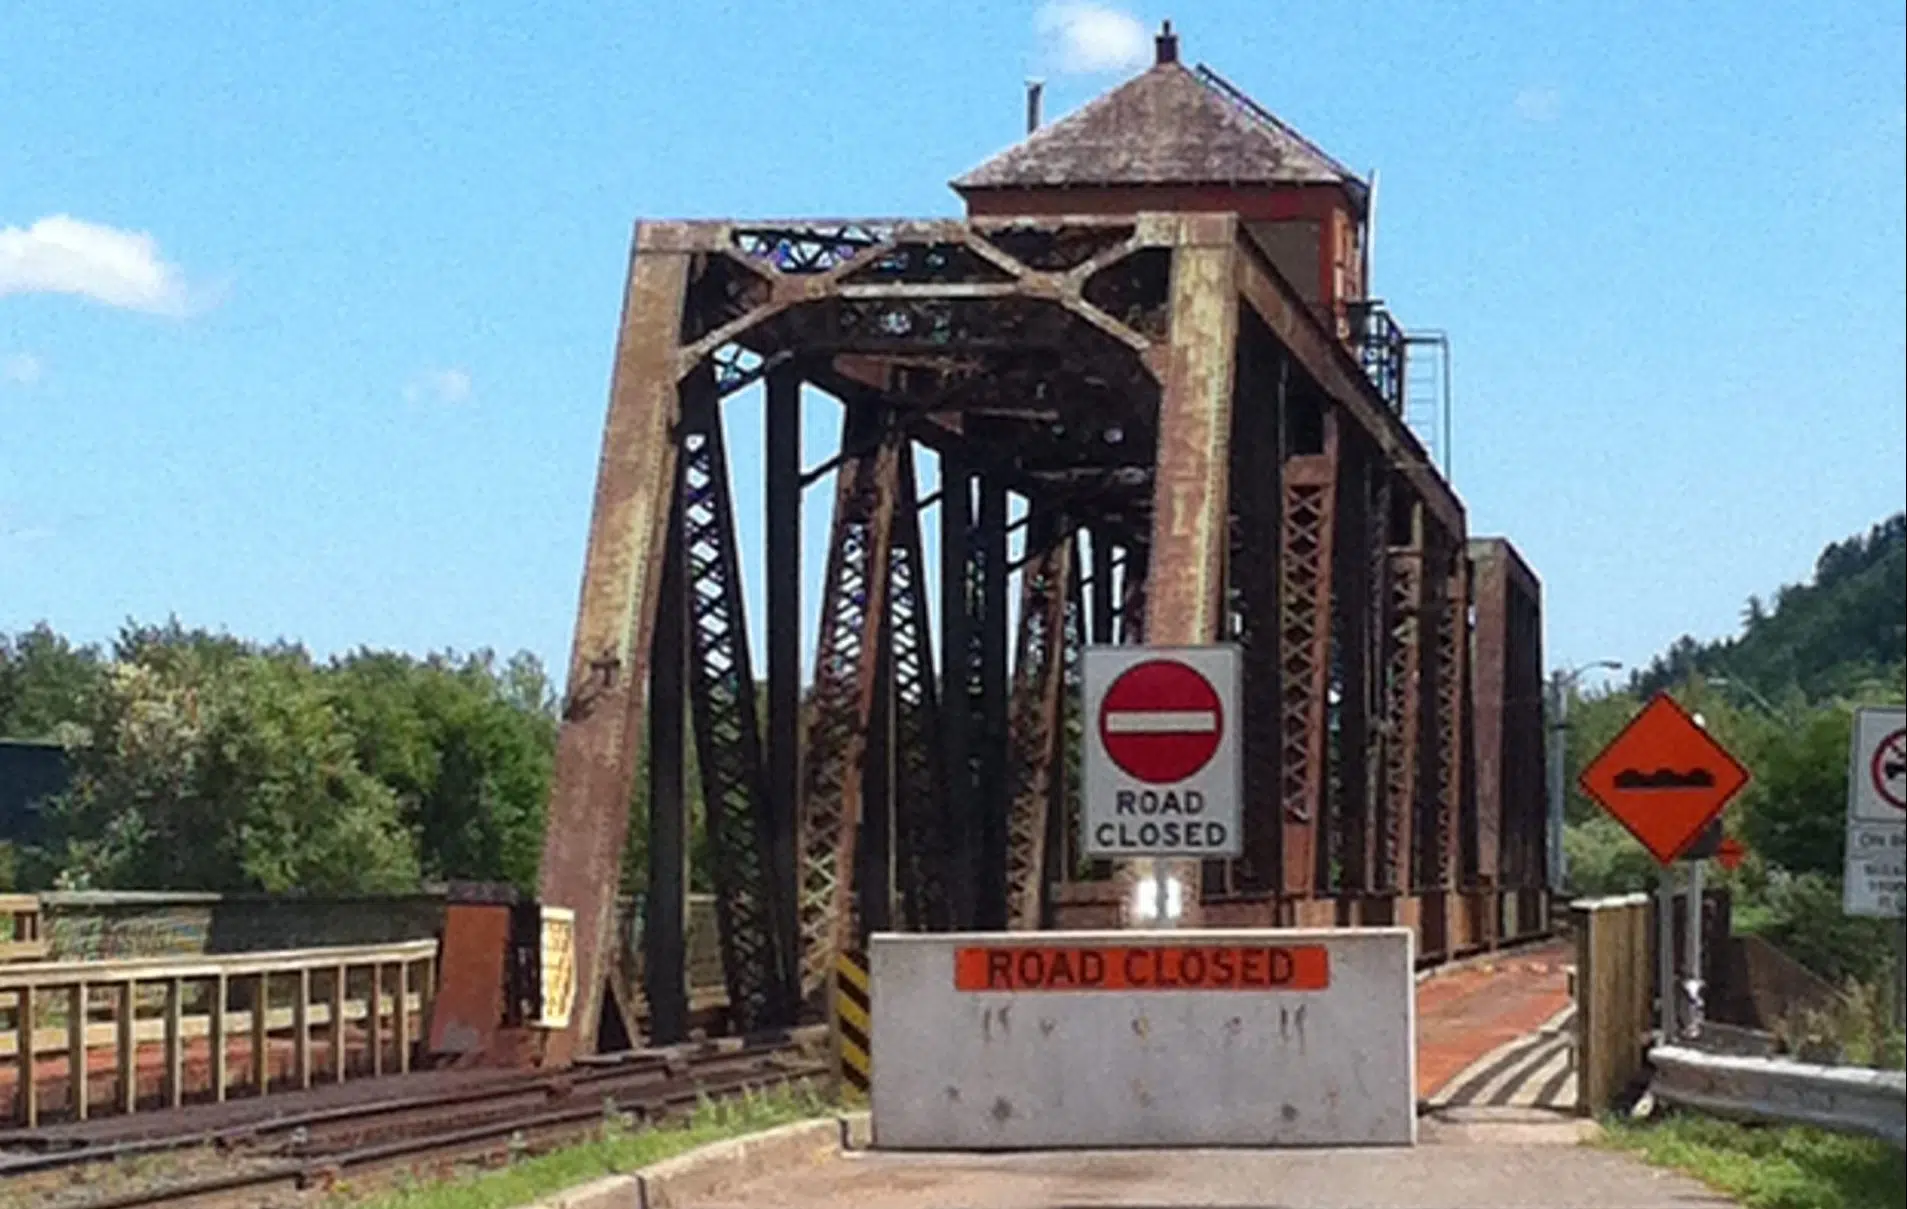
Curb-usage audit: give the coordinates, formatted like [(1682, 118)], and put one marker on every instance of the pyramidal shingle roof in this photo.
[(1166, 126)]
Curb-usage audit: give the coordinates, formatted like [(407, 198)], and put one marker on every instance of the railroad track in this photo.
[(280, 1159)]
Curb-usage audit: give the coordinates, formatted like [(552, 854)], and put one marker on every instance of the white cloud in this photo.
[(1088, 37), (60, 254), (1539, 104), (22, 369), (439, 385)]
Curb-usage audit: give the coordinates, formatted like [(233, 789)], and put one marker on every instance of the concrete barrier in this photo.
[(1253, 1037)]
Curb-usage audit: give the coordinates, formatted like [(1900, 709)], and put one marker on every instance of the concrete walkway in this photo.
[(1467, 1014), (1456, 1171)]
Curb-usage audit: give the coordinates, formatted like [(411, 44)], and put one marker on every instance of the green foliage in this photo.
[(202, 761), (1855, 1028), (1786, 1167), (1796, 806), (45, 684), (1804, 919), (466, 746), (214, 767)]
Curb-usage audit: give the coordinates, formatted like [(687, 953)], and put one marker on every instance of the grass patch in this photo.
[(1770, 1167), (618, 1148)]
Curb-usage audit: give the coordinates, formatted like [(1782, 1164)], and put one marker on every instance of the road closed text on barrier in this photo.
[(1142, 968)]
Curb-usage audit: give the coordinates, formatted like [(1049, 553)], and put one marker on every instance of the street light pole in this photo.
[(1560, 684)]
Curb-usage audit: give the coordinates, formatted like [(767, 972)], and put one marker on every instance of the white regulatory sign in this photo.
[(1163, 769), (1876, 871)]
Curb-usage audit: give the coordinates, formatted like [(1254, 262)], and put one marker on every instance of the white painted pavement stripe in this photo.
[(1500, 1088), (1517, 1050), (1527, 1093), (1161, 722)]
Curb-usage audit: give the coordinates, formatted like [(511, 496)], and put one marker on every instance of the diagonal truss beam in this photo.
[(852, 607), (921, 797), (727, 729), (1036, 723)]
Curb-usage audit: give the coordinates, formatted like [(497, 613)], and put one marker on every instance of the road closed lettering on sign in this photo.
[(1207, 967), (1161, 773)]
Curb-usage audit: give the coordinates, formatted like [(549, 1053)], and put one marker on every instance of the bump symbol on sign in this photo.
[(1161, 722)]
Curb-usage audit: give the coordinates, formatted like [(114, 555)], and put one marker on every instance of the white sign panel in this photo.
[(1163, 765), (1876, 871)]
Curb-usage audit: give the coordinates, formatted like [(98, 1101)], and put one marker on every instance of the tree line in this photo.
[(202, 761)]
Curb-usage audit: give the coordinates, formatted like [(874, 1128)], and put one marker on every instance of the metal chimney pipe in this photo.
[(1033, 90), (1166, 46)]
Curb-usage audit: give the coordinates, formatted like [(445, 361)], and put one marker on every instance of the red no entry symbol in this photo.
[(1161, 722), (1889, 769)]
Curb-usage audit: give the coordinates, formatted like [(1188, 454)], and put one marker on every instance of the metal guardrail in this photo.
[(1841, 1098)]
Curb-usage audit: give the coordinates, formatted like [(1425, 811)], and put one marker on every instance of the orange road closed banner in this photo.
[(1142, 968)]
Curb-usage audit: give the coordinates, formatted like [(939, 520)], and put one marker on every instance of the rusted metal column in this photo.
[(1305, 595), (920, 805), (874, 849), (956, 684), (991, 766), (1191, 512), (665, 983), (727, 736), (1258, 549), (1358, 618), (1453, 693), (1490, 584), (1036, 723), (782, 453), (1132, 596), (852, 609), (1100, 631), (588, 817), (1403, 706), (1062, 842)]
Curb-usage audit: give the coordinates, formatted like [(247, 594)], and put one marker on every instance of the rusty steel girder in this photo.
[(727, 732), (852, 608), (1403, 712), (920, 788), (1429, 817), (1036, 721), (1305, 599), (588, 817), (1451, 648)]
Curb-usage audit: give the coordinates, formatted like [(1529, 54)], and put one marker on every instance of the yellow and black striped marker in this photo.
[(853, 1029)]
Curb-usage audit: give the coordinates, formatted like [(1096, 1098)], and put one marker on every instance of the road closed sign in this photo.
[(1162, 769), (1875, 883)]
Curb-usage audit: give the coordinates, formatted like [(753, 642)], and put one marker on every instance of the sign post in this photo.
[(1162, 771), (1666, 779), (1875, 884)]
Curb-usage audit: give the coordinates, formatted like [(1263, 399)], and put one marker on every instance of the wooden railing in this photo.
[(20, 935), (295, 1018), (1614, 995)]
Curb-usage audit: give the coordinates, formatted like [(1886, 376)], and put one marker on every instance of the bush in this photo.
[(1802, 917)]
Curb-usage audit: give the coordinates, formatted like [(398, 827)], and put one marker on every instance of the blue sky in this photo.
[(306, 312)]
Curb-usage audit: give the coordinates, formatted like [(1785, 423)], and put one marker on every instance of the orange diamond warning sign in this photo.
[(1664, 778)]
